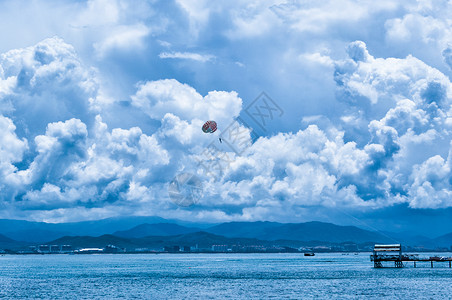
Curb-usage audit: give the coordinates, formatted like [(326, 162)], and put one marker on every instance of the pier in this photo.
[(389, 253)]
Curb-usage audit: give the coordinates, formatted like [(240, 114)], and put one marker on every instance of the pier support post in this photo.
[(449, 263), (431, 263), (415, 264)]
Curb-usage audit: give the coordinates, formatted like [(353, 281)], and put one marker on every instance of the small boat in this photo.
[(309, 254)]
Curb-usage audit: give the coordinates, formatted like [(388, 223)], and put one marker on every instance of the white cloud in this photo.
[(12, 150), (393, 113), (407, 105), (77, 164), (411, 106), (318, 58), (124, 38), (427, 22), (301, 169), (11, 147), (387, 81), (187, 55), (447, 55), (198, 12), (309, 168), (99, 12), (432, 184), (319, 16), (45, 83), (184, 132), (157, 98), (426, 29), (63, 143)]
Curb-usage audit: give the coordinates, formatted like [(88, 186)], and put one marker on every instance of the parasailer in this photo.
[(209, 127)]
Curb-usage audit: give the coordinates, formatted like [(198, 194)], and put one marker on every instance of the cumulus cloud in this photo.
[(425, 22), (83, 143), (402, 106), (74, 166), (81, 162), (158, 98), (45, 83), (407, 106), (55, 161), (432, 183), (73, 170), (405, 93), (12, 148)]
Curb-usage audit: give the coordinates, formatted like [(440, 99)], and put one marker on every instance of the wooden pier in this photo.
[(384, 253)]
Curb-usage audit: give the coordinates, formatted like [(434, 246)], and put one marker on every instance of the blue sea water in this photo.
[(217, 276)]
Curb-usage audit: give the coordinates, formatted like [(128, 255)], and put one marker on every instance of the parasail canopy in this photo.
[(209, 127)]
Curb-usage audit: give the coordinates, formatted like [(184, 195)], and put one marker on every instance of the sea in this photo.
[(218, 276)]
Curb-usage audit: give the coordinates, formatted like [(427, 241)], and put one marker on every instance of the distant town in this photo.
[(112, 249)]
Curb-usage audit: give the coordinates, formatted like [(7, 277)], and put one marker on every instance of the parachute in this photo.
[(209, 127)]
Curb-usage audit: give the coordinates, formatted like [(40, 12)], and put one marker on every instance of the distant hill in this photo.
[(36, 235), (443, 241), (202, 239), (139, 227), (205, 239), (159, 229), (42, 232), (271, 231), (310, 231), (5, 239), (244, 229), (94, 242), (409, 238), (7, 243)]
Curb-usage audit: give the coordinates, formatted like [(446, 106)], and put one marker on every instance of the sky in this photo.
[(336, 111)]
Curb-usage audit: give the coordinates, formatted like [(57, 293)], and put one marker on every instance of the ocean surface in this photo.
[(217, 276)]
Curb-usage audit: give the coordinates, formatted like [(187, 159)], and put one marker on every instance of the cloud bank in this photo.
[(395, 107), (366, 126)]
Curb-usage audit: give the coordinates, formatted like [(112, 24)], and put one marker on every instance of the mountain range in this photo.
[(159, 229), (21, 230), (200, 239), (7, 243), (155, 231)]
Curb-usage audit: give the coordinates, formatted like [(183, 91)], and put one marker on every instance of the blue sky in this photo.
[(102, 104)]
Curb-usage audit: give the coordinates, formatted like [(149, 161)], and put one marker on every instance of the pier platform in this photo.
[(393, 253)]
